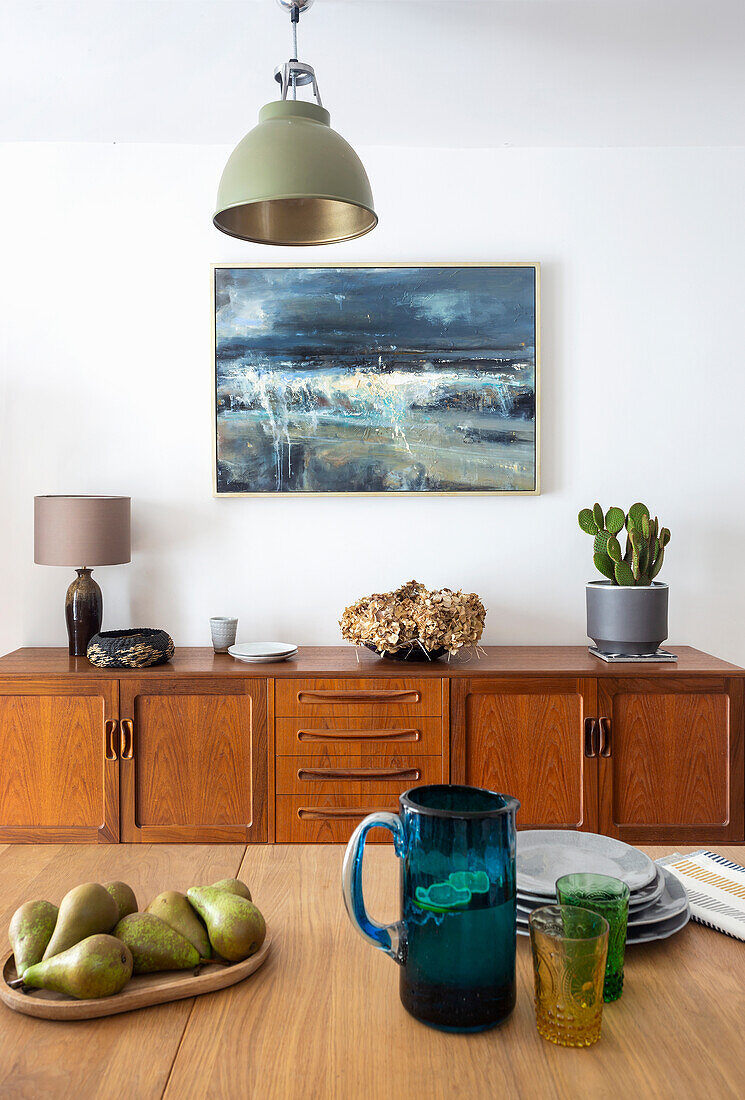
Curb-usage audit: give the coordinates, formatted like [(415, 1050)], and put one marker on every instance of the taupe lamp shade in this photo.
[(293, 180), (81, 530)]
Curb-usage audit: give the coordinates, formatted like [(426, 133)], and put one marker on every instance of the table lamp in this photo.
[(82, 531)]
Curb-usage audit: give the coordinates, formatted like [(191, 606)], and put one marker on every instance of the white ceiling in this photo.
[(392, 72)]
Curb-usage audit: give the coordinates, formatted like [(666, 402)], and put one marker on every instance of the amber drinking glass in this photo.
[(610, 898), (569, 949)]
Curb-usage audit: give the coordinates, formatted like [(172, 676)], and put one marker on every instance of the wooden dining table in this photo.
[(322, 1017)]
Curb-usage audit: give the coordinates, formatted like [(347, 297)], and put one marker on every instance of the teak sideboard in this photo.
[(206, 749)]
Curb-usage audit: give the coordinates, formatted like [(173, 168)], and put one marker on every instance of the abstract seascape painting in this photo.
[(376, 379)]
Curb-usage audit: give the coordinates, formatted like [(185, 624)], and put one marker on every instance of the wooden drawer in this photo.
[(358, 737), (329, 819), (316, 698), (373, 775)]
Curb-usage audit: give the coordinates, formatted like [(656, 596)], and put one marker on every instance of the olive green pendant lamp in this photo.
[(293, 180)]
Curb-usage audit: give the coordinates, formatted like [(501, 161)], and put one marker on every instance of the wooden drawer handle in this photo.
[(359, 735), (312, 774), (606, 745), (111, 748), (385, 695), (591, 738), (310, 813), (127, 739)]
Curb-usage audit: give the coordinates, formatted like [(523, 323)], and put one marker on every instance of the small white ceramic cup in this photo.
[(224, 630)]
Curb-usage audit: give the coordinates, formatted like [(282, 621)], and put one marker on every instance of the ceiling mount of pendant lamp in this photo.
[(293, 180)]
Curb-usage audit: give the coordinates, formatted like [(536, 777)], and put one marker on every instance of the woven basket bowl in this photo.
[(137, 648)]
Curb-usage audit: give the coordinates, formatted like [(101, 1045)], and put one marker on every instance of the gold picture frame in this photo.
[(535, 266)]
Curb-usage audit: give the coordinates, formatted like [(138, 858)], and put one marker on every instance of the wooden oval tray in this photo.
[(141, 991)]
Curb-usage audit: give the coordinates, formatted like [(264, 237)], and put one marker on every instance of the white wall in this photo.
[(482, 73), (105, 386)]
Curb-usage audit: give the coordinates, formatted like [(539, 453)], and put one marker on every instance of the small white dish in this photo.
[(639, 901), (645, 933), (265, 660), (671, 903), (648, 933), (544, 855), (661, 918), (262, 649), (648, 894), (262, 652)]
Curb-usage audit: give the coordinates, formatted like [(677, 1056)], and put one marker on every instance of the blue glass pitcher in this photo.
[(455, 941)]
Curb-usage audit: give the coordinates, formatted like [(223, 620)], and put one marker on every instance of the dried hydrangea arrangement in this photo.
[(436, 621)]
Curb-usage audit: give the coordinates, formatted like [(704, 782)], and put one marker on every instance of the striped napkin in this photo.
[(715, 887)]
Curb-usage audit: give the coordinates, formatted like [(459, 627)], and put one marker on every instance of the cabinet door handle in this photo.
[(312, 813), (606, 742), (312, 774), (127, 739), (110, 743), (359, 735), (385, 695), (591, 735)]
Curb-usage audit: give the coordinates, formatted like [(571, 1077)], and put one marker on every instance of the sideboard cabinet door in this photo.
[(529, 738), (671, 759), (59, 764), (193, 760)]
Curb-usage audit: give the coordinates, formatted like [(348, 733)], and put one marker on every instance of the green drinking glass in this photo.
[(610, 898)]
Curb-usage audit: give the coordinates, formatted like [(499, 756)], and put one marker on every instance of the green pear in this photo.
[(84, 911), (97, 966), (174, 908), (235, 926), (30, 931), (155, 945), (124, 896), (233, 886)]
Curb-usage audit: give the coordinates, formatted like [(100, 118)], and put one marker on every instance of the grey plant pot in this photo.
[(628, 620)]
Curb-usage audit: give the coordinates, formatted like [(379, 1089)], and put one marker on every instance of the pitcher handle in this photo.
[(387, 937)]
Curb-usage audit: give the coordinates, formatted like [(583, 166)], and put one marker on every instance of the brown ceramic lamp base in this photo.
[(83, 612)]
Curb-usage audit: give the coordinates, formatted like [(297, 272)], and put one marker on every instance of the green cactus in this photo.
[(587, 522), (600, 545), (642, 558), (604, 564), (657, 565), (623, 574), (636, 549), (614, 520), (636, 511), (613, 548)]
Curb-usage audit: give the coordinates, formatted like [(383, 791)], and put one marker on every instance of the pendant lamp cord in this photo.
[(294, 74), (294, 20)]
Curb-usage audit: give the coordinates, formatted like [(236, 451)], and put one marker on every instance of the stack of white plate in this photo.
[(658, 906), (256, 653)]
